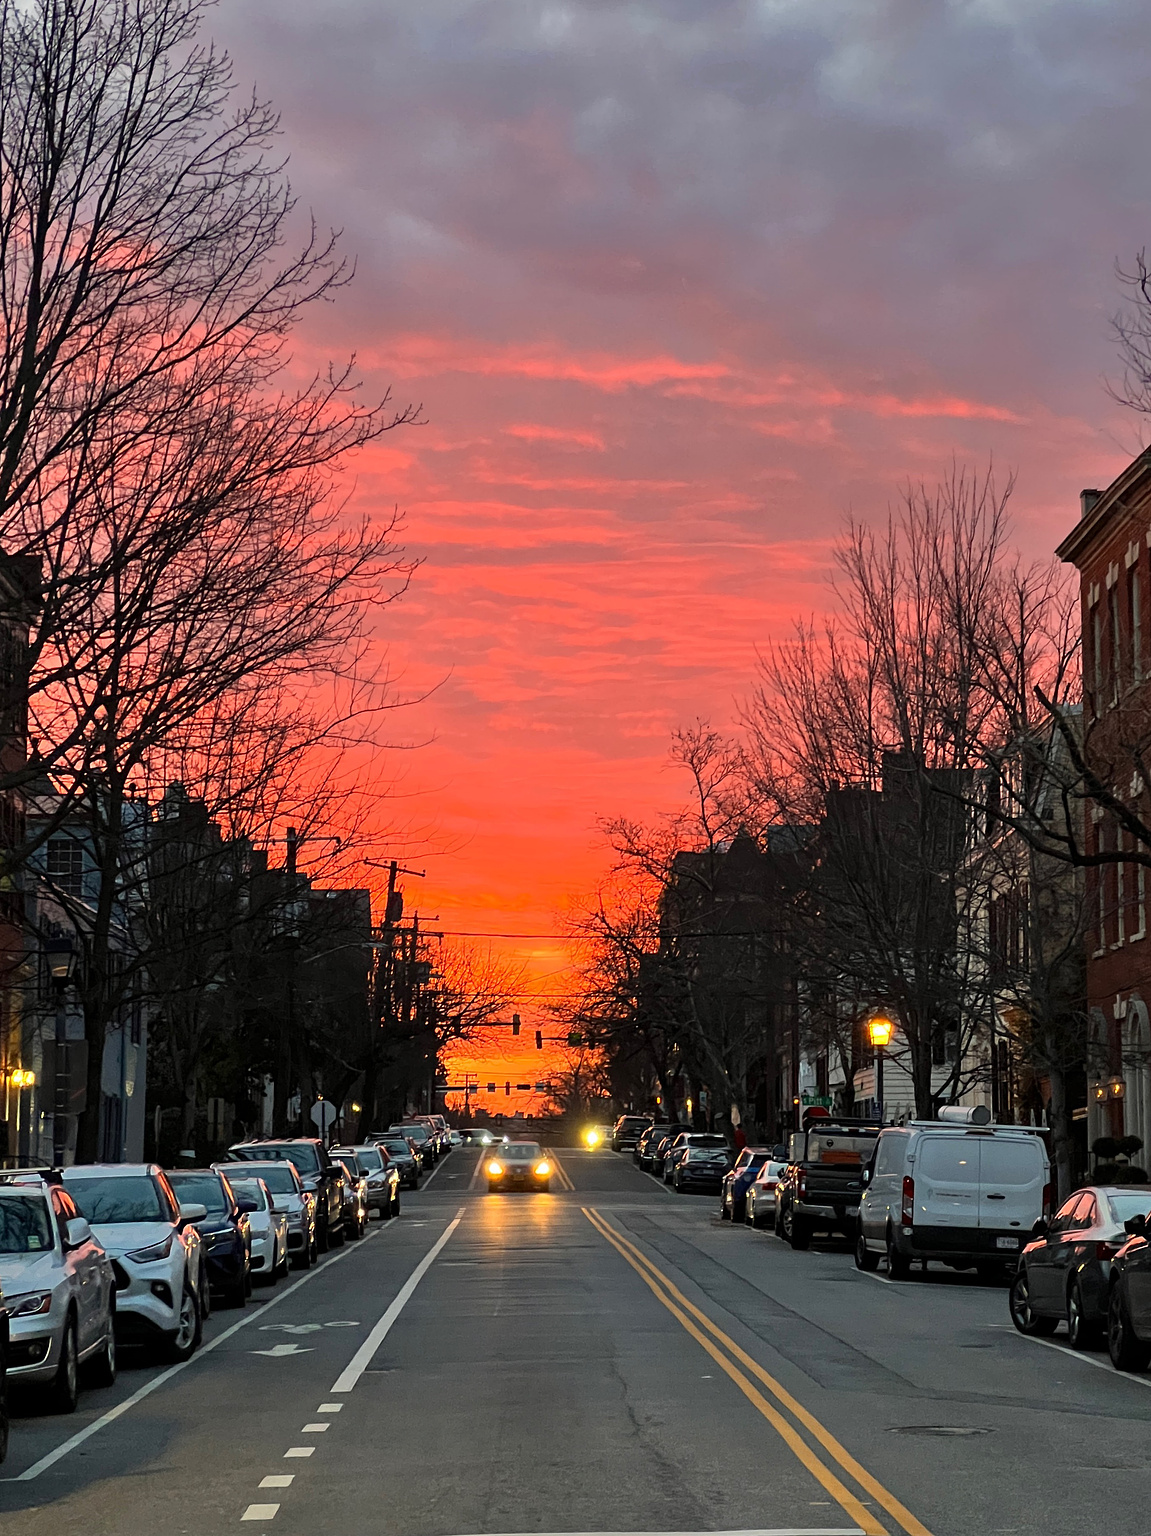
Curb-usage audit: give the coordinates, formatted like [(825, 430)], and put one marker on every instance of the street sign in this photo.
[(324, 1115), (823, 1100)]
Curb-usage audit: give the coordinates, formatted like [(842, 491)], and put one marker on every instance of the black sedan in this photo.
[(1065, 1270), (1129, 1296), (223, 1231), (402, 1155), (701, 1168)]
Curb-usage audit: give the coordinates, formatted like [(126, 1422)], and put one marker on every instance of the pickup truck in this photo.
[(819, 1189)]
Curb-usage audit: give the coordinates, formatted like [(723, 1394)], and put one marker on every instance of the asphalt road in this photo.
[(606, 1358)]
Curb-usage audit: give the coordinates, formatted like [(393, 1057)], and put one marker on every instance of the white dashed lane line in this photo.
[(298, 1450), (278, 1480), (261, 1512)]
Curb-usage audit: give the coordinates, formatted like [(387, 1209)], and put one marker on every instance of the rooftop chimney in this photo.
[(1087, 500)]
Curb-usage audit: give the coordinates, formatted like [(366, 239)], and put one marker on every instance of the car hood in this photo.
[(121, 1237), (20, 1272)]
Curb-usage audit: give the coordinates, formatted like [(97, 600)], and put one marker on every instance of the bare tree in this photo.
[(175, 489)]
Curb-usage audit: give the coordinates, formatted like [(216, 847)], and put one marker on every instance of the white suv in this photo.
[(161, 1283), (59, 1292)]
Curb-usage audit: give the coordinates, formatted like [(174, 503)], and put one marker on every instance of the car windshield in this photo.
[(522, 1149), (250, 1190), (305, 1157), (706, 1154), (135, 1197), (416, 1132), (396, 1148), (206, 1189), (25, 1225), (1126, 1206), (755, 1161), (705, 1139), (369, 1160), (346, 1161)]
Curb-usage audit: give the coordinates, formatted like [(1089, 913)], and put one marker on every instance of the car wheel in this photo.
[(1081, 1333), (100, 1369), (725, 1211), (237, 1292), (395, 1211), (1019, 1304), (64, 1393), (795, 1231), (864, 1258), (322, 1237), (300, 1260), (205, 1295), (386, 1212), (3, 1425), (1127, 1352), (337, 1235), (898, 1264), (181, 1343)]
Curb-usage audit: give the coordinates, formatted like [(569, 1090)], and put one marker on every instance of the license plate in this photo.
[(1007, 1242)]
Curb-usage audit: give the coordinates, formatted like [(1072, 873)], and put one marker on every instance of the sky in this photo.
[(679, 286)]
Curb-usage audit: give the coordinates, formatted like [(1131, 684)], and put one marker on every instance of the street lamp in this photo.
[(879, 1031), (61, 956)]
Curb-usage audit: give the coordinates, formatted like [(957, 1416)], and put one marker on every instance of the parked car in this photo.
[(355, 1195), (733, 1191), (423, 1142), (380, 1174), (627, 1131), (224, 1231), (676, 1149), (156, 1253), (956, 1190), (701, 1168), (281, 1178), (518, 1165), (819, 1189), (59, 1293), (1065, 1270), (317, 1171), (1129, 1295), (267, 1230), (403, 1155), (760, 1205), (652, 1145)]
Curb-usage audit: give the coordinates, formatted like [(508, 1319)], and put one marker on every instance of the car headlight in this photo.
[(30, 1306), (592, 1138), (495, 1169), (542, 1170), (159, 1250)]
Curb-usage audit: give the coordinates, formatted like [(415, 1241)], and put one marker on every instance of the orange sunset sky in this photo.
[(678, 286)]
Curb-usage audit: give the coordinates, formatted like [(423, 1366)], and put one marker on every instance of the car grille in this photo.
[(120, 1274)]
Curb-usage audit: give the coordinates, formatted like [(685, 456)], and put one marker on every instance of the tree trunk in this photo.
[(1060, 1133)]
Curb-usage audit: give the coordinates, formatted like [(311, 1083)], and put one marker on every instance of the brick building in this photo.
[(1111, 548)]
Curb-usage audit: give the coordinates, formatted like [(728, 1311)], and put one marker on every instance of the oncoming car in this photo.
[(519, 1165), (597, 1137)]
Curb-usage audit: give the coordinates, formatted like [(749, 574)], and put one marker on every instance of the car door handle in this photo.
[(997, 1197)]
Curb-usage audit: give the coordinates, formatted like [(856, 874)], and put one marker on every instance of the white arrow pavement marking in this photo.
[(278, 1351), (363, 1356)]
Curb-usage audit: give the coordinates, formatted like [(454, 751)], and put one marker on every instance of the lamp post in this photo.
[(61, 956), (879, 1030)]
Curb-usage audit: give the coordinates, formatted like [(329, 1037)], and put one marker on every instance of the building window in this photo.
[(1113, 613), (1140, 904), (1120, 889), (66, 866), (1101, 891), (1135, 600), (1097, 658)]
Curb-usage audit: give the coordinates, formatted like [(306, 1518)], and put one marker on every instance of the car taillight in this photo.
[(801, 1186), (1048, 1201), (908, 1211), (1108, 1250)]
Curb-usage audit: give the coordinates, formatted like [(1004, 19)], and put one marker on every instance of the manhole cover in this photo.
[(937, 1429)]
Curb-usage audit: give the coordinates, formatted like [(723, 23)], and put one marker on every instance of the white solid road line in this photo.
[(565, 1178), (1077, 1354), (138, 1396), (362, 1358)]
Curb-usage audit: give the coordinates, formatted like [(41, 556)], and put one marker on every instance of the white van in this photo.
[(962, 1193)]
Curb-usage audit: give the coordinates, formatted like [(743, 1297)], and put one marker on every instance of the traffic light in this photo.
[(515, 1023), (575, 1038), (507, 1087), (539, 1039)]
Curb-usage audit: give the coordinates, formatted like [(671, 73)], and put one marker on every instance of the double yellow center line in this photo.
[(818, 1465)]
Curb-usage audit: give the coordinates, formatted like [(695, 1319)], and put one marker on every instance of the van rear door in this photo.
[(947, 1182), (1012, 1172)]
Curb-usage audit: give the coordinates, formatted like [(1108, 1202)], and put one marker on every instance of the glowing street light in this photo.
[(879, 1031)]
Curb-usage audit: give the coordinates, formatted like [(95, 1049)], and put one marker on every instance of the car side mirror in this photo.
[(1040, 1228), (77, 1232), (245, 1206), (865, 1177), (192, 1212), (1136, 1225)]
